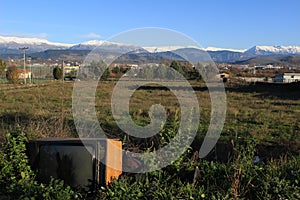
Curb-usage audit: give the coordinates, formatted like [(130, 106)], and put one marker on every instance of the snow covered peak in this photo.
[(106, 46), (30, 41), (99, 43), (172, 48), (11, 45), (156, 49), (267, 50), (94, 42), (224, 49)]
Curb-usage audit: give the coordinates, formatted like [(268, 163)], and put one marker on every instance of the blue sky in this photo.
[(236, 24)]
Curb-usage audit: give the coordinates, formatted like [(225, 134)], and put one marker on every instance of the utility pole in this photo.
[(63, 69), (29, 60), (63, 95), (24, 64)]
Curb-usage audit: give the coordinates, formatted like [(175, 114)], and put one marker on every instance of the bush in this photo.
[(12, 74), (243, 178), (17, 180), (57, 73)]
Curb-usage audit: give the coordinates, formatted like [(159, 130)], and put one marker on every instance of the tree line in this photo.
[(175, 70)]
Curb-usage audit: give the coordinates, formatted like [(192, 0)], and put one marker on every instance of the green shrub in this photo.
[(57, 73), (154, 185), (242, 178), (12, 74), (17, 180)]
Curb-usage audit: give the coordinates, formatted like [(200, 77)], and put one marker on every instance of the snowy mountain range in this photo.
[(34, 44), (104, 46), (269, 50), (11, 45)]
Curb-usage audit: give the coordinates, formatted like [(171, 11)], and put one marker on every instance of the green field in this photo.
[(262, 120), (268, 113)]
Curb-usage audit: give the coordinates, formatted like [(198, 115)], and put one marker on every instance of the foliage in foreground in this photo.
[(17, 180), (186, 178), (243, 178)]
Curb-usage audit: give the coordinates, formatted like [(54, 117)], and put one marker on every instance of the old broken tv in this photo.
[(81, 163)]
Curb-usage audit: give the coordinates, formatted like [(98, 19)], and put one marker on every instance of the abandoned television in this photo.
[(80, 163)]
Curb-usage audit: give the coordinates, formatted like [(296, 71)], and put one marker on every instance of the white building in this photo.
[(267, 67), (27, 74), (287, 78)]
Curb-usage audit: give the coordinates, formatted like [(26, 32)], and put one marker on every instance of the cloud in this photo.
[(92, 35)]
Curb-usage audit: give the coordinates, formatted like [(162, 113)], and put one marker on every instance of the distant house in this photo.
[(70, 72), (241, 66), (69, 69), (223, 76), (287, 78), (253, 79), (24, 74), (267, 67)]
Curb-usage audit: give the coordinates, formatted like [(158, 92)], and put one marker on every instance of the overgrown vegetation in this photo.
[(17, 180), (12, 74), (267, 114), (57, 73), (245, 177), (190, 178)]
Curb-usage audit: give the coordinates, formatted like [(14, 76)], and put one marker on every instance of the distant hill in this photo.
[(130, 57), (41, 48), (10, 45), (225, 56), (58, 54), (274, 60), (147, 57), (273, 50)]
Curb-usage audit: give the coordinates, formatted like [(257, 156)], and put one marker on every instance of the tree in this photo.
[(179, 68), (116, 70), (106, 74), (2, 67), (12, 74), (94, 71), (175, 65), (57, 73)]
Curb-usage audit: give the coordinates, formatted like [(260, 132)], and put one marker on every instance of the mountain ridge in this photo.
[(38, 46), (280, 50)]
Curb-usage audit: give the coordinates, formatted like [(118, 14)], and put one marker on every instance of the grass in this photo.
[(267, 113), (46, 111)]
